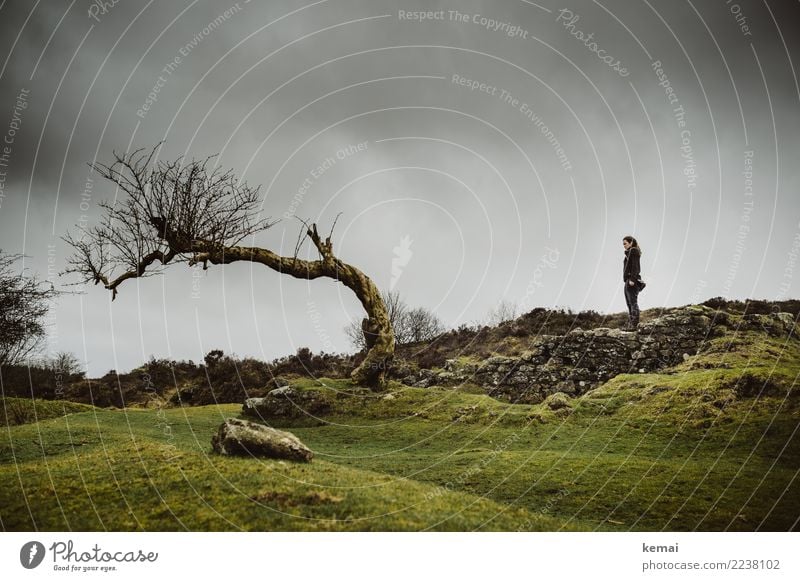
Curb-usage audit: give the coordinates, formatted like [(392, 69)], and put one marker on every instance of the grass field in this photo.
[(711, 444)]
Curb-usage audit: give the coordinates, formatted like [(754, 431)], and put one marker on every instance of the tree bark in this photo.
[(180, 211), (377, 328)]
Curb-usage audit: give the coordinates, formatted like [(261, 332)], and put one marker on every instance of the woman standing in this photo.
[(631, 271)]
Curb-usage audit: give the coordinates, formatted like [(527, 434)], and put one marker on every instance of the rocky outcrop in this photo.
[(557, 401), (775, 324), (582, 359), (286, 402), (243, 438), (276, 382)]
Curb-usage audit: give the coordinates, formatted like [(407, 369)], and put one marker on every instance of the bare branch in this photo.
[(178, 211), (330, 234), (166, 206), (302, 235)]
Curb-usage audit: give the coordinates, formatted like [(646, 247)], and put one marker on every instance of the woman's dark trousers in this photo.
[(631, 299)]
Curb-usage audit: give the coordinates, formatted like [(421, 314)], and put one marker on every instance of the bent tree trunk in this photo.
[(379, 337), (180, 211), (377, 328)]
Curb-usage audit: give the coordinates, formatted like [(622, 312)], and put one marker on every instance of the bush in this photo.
[(46, 378), (754, 306), (20, 411), (409, 325), (24, 302)]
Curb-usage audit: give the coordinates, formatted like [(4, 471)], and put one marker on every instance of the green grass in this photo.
[(711, 444), (15, 410), (149, 470)]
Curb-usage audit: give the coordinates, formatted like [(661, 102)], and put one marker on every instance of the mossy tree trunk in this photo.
[(377, 329), (181, 211)]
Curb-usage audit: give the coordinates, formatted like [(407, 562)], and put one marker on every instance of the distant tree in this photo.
[(213, 357), (394, 305), (46, 377), (502, 312), (24, 302), (65, 363), (409, 325), (394, 309), (305, 356), (420, 324), (185, 211)]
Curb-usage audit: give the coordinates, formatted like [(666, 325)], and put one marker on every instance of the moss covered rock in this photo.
[(243, 438)]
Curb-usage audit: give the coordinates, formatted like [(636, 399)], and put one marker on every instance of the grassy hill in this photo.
[(710, 444), (16, 410), (118, 470)]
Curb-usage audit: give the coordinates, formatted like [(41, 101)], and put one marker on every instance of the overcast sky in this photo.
[(506, 148)]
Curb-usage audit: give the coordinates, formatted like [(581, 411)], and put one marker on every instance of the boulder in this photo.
[(787, 319), (276, 382), (774, 324), (557, 401), (285, 391), (237, 437), (425, 378), (287, 402), (251, 405)]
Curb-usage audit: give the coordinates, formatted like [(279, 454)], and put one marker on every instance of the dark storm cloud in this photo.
[(517, 188)]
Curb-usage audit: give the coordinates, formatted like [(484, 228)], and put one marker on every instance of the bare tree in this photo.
[(394, 305), (181, 211), (24, 302), (409, 325), (64, 363), (420, 324), (504, 311)]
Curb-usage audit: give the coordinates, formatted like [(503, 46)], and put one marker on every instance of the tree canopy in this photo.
[(192, 212), (24, 303)]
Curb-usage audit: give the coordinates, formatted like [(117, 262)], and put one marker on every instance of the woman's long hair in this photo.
[(633, 243)]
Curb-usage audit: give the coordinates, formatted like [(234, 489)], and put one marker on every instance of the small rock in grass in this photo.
[(237, 437), (557, 401)]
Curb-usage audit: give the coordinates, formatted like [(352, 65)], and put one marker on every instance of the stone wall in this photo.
[(580, 360)]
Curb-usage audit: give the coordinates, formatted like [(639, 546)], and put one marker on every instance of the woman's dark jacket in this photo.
[(630, 265)]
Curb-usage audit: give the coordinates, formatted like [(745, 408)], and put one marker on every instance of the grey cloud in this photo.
[(437, 167)]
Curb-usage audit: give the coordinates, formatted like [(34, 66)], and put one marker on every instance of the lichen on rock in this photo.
[(237, 437)]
